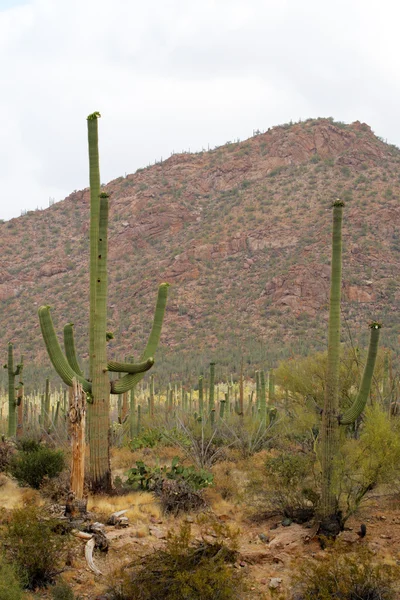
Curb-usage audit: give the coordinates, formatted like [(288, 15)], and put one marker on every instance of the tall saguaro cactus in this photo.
[(331, 417), (98, 385), (12, 401)]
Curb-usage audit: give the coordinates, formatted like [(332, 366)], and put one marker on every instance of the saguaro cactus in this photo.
[(12, 401), (331, 417), (211, 396), (98, 386)]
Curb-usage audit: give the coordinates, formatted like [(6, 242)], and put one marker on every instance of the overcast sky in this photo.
[(173, 75)]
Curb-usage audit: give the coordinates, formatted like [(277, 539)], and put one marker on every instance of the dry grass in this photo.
[(13, 496), (141, 506), (123, 458), (229, 480)]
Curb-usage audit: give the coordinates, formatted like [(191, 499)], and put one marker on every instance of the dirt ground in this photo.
[(269, 551)]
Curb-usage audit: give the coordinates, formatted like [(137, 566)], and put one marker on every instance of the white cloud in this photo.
[(177, 74)]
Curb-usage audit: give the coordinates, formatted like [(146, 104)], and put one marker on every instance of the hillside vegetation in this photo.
[(242, 232)]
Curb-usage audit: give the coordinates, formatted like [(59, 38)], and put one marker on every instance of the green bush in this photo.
[(347, 575), (28, 444), (33, 547), (185, 569), (10, 587), (294, 491), (143, 477), (372, 460), (147, 439), (33, 466)]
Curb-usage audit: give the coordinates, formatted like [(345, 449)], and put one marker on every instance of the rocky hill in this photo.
[(242, 232)]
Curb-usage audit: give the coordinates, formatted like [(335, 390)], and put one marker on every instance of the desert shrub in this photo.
[(62, 591), (28, 444), (287, 486), (372, 460), (33, 466), (177, 496), (339, 573), (248, 435), (10, 587), (227, 480), (200, 443), (185, 569), (33, 547), (178, 487), (294, 493), (147, 439), (56, 488), (7, 451), (144, 477)]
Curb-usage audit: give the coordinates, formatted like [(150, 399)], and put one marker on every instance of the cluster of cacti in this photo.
[(98, 385)]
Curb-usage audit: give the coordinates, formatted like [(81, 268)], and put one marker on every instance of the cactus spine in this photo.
[(98, 386), (331, 418)]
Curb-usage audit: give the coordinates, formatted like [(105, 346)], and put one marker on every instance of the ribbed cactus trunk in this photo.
[(21, 409), (12, 415), (258, 387), (12, 402), (271, 387), (263, 399), (100, 470), (211, 396), (201, 396), (331, 417)]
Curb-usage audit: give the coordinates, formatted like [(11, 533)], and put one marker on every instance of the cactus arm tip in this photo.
[(93, 116), (359, 403), (55, 353)]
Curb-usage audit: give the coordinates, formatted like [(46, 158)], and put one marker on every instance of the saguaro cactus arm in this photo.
[(359, 403), (132, 368), (159, 313), (70, 352), (127, 382), (55, 353)]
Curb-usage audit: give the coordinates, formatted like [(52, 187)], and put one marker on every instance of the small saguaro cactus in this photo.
[(331, 417), (12, 400), (211, 397), (98, 385), (201, 396)]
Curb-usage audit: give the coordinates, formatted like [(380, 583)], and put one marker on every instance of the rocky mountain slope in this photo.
[(242, 233)]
